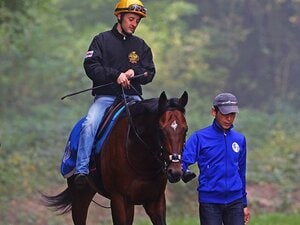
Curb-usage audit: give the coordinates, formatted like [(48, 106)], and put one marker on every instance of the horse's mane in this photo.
[(150, 106), (144, 107), (174, 103)]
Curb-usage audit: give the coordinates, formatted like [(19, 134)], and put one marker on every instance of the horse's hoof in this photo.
[(80, 180)]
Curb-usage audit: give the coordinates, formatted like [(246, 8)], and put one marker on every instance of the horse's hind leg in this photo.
[(80, 204)]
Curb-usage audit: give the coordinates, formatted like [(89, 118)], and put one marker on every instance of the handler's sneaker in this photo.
[(187, 176)]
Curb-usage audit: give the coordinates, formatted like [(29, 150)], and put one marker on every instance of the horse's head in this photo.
[(173, 127)]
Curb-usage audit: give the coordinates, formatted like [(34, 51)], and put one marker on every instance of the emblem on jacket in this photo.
[(89, 54), (133, 57), (235, 147)]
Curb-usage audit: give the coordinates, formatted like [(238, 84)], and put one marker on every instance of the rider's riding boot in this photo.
[(80, 180), (187, 176)]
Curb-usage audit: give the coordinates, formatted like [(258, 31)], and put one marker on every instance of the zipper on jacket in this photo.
[(226, 168)]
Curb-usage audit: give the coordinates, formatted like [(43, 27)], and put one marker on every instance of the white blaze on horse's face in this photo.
[(174, 125)]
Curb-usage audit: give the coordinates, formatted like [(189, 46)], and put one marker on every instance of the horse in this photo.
[(140, 155)]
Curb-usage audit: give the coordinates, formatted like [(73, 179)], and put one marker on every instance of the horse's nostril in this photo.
[(173, 177), (174, 173)]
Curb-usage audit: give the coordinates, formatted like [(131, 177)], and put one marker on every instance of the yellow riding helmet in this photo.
[(131, 6)]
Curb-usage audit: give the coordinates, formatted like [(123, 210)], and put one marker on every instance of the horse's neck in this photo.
[(144, 138), (146, 128)]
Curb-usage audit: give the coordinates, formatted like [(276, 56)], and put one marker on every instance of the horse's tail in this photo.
[(62, 202)]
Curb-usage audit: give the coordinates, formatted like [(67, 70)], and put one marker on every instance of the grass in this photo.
[(267, 219), (276, 219)]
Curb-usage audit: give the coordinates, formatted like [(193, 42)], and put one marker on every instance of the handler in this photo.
[(220, 153)]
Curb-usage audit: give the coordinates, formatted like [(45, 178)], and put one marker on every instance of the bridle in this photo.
[(170, 157), (160, 153)]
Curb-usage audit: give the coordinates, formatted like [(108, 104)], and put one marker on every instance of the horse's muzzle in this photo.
[(174, 177), (174, 172)]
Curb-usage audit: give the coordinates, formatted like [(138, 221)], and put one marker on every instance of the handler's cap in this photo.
[(226, 103)]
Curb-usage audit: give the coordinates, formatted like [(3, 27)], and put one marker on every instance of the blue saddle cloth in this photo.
[(70, 154)]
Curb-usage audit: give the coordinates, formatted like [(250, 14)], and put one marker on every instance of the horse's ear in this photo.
[(162, 101), (184, 99)]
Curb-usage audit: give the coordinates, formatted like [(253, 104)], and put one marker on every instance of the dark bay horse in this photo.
[(140, 155)]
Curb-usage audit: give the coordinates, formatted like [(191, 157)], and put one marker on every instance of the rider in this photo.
[(113, 56)]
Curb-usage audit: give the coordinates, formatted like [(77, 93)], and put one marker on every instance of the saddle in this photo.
[(111, 114), (70, 153)]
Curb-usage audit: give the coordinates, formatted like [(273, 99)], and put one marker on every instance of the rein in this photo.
[(130, 119), (132, 126)]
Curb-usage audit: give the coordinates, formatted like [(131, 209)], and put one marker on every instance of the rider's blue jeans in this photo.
[(89, 129), (218, 214)]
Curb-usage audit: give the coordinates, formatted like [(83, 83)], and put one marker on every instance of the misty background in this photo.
[(248, 47)]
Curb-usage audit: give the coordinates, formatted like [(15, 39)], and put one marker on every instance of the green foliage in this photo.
[(84, 15), (272, 137), (204, 47), (33, 59), (165, 40)]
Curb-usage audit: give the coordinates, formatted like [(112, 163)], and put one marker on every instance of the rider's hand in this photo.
[(129, 73), (123, 80)]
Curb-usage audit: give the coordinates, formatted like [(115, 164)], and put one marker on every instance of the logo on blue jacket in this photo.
[(235, 147)]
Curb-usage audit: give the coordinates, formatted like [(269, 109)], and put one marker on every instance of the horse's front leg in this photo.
[(157, 210), (122, 212)]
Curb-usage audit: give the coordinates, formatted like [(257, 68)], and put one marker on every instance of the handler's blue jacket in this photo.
[(221, 158)]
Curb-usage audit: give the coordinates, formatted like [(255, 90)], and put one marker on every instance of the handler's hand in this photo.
[(246, 215)]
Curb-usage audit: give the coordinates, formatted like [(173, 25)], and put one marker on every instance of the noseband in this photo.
[(175, 158)]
